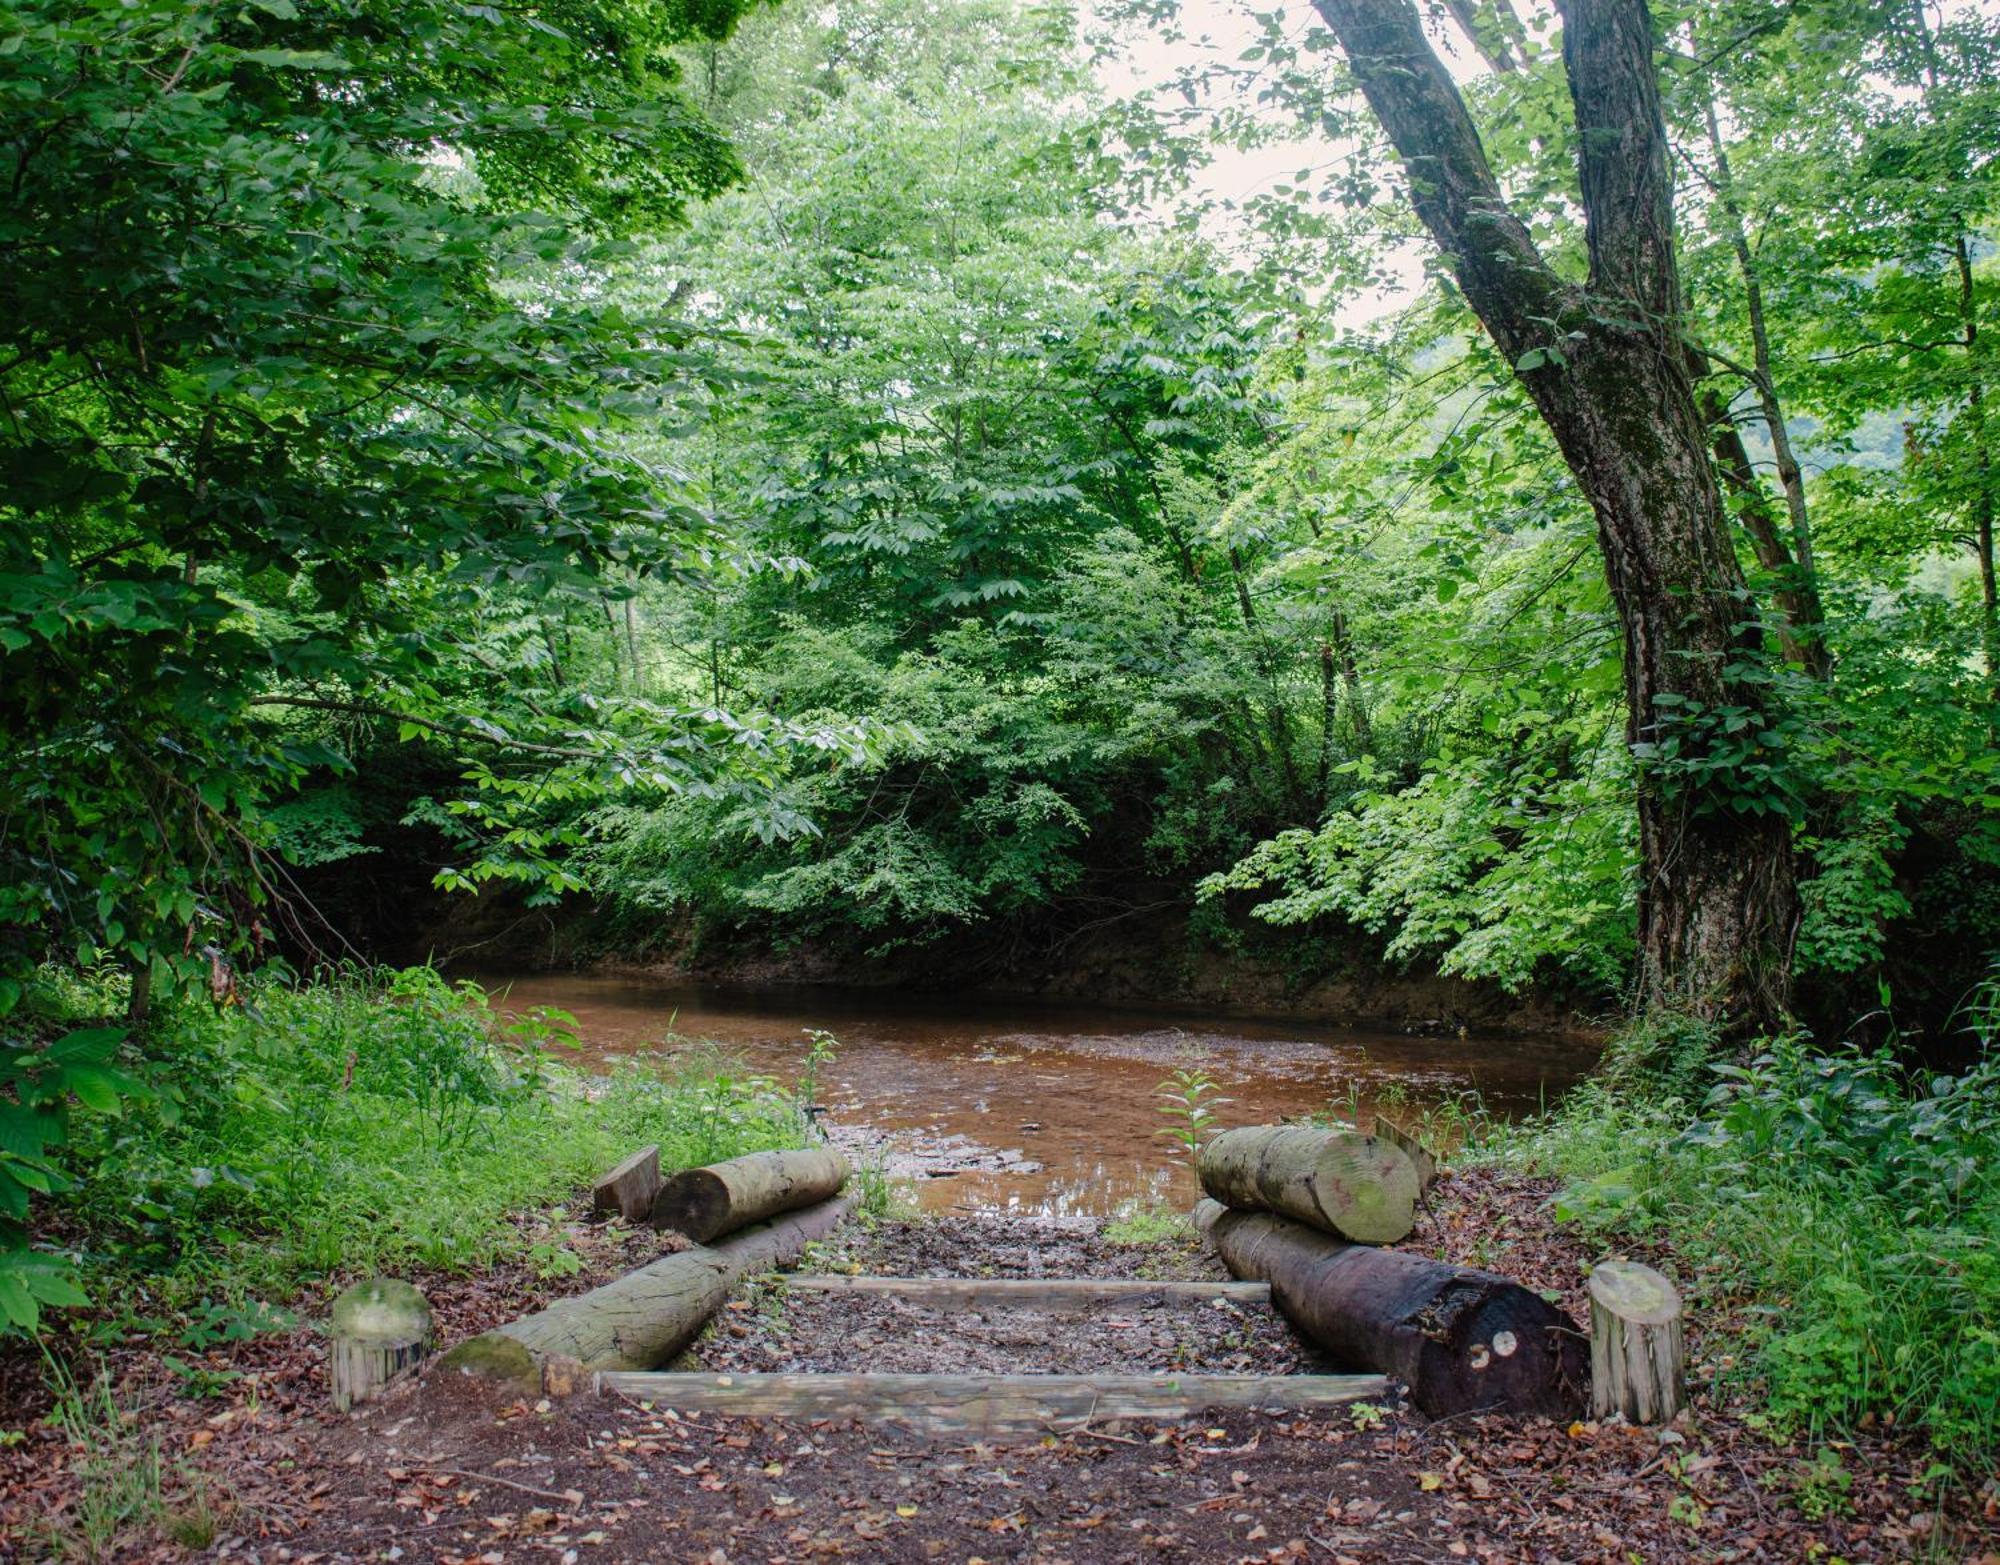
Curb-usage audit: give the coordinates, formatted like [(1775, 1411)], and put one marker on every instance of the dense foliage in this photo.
[(376, 1120), (1865, 1279), (836, 475)]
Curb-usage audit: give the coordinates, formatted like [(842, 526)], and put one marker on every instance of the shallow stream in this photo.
[(1053, 1109)]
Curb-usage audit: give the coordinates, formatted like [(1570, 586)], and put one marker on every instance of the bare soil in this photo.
[(449, 1470)]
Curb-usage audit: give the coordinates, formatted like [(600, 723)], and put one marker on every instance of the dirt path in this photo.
[(450, 1471)]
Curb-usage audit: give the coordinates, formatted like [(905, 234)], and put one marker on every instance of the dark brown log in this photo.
[(647, 1316), (630, 1189), (723, 1197), (1358, 1187), (1461, 1340)]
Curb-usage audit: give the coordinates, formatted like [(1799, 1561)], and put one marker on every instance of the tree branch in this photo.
[(1623, 163), (1452, 186)]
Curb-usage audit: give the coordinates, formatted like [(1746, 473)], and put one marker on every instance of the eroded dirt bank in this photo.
[(447, 1471)]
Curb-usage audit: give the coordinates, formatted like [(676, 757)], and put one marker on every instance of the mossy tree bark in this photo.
[(1606, 364)]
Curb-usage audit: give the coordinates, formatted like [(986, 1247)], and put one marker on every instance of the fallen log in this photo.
[(1461, 1340), (1356, 1187), (719, 1199), (990, 1403), (630, 1189), (647, 1316)]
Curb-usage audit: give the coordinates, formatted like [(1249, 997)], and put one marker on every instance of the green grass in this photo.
[(380, 1121), (1841, 1211), (1140, 1223)]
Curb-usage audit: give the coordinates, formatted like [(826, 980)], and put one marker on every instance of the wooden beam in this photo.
[(1058, 1295), (990, 1402)]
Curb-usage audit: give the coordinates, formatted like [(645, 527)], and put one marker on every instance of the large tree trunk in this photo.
[(1606, 366), (1459, 1339)]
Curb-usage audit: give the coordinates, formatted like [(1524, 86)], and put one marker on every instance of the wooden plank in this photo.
[(628, 1191), (990, 1402), (1061, 1295)]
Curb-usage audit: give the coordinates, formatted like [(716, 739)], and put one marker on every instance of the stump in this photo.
[(630, 1189), (1638, 1363), (723, 1197), (1461, 1340), (1356, 1187), (379, 1329)]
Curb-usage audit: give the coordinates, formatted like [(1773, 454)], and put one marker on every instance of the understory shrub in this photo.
[(1843, 1205), (375, 1120)]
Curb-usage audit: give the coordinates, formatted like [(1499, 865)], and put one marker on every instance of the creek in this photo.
[(1051, 1109)]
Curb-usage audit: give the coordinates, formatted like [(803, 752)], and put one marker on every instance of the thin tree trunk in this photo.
[(1739, 474), (1606, 366), (1801, 584), (1493, 28), (1267, 663), (1982, 456), (1975, 402)]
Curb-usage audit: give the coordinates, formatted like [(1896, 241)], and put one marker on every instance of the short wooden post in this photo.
[(379, 1329), (629, 1189), (1638, 1363)]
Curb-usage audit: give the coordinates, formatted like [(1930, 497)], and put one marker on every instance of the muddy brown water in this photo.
[(1050, 1109)]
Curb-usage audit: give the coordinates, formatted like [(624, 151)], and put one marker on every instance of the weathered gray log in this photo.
[(647, 1316), (1638, 1362), (630, 1189), (1354, 1186), (380, 1328), (990, 1403), (723, 1197), (1461, 1340), (1054, 1295), (1420, 1156)]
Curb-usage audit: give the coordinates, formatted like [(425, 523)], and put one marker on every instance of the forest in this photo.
[(958, 496)]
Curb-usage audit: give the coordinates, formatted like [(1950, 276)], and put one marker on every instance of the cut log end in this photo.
[(380, 1329), (1638, 1359), (1355, 1187), (1461, 1340)]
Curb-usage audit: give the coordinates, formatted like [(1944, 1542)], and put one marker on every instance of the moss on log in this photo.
[(1356, 1187), (644, 1318)]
